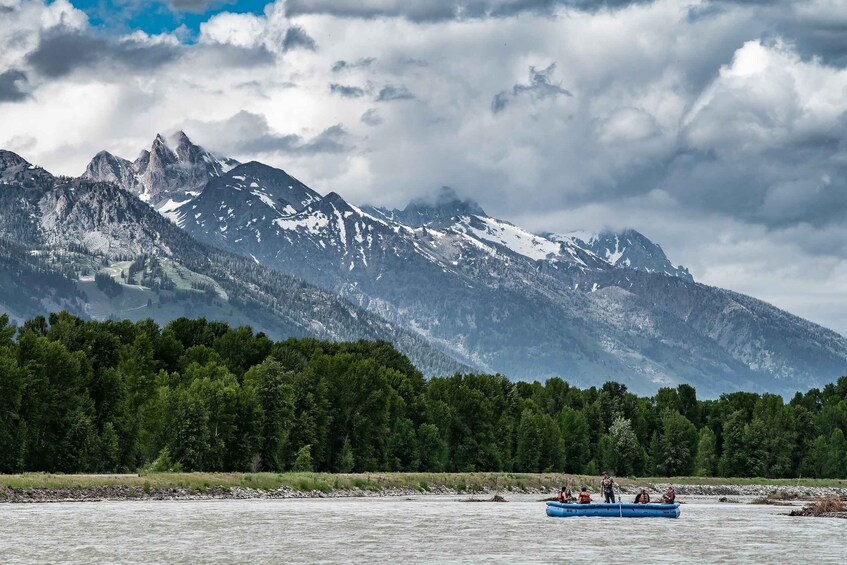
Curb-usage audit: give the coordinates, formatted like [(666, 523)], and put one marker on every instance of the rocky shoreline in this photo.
[(781, 492), (130, 493)]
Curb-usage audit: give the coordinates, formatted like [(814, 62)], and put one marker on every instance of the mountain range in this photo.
[(453, 286), (97, 250)]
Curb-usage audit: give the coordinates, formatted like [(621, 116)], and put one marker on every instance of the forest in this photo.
[(117, 396)]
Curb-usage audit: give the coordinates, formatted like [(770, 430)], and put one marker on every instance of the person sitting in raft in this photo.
[(670, 496), (642, 497), (607, 487), (564, 496), (584, 496)]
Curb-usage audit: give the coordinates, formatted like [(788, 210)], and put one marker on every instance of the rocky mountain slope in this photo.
[(628, 249), (168, 173), (97, 250), (587, 308)]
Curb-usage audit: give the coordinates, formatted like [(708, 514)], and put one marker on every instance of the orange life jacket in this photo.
[(561, 497), (584, 497)]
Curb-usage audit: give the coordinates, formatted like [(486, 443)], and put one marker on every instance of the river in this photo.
[(423, 529)]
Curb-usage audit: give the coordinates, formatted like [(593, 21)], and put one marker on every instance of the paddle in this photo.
[(620, 501)]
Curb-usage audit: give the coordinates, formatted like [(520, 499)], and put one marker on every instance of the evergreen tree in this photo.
[(346, 461), (89, 396), (189, 443), (432, 450), (677, 446), (835, 462), (303, 461), (12, 426), (705, 465), (733, 461), (528, 453), (271, 385), (575, 436)]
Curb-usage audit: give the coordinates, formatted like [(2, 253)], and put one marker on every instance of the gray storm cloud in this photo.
[(61, 51), (11, 86), (247, 133), (719, 128), (196, 6), (436, 10), (346, 91), (539, 86)]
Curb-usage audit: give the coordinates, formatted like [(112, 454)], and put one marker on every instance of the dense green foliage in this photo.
[(83, 396)]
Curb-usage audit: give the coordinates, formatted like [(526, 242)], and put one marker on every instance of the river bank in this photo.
[(41, 487)]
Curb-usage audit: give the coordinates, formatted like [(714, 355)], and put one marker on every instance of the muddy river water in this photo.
[(425, 529)]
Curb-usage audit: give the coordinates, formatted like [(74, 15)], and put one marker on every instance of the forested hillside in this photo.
[(85, 396)]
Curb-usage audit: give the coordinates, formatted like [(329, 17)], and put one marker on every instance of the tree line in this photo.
[(89, 396)]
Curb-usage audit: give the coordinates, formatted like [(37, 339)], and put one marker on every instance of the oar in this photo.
[(620, 501)]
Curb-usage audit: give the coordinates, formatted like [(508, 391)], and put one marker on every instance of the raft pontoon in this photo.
[(623, 510)]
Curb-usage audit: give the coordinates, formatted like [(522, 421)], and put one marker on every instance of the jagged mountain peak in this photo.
[(336, 201), (160, 149), (168, 173), (244, 202), (268, 183), (17, 171), (10, 159), (181, 138), (626, 248), (444, 205)]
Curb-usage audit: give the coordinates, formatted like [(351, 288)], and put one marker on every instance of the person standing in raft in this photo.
[(584, 496), (564, 496), (642, 497), (607, 487), (670, 496)]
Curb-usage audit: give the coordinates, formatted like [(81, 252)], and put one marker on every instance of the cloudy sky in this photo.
[(716, 127)]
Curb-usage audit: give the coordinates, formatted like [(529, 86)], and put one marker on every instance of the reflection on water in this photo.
[(422, 529)]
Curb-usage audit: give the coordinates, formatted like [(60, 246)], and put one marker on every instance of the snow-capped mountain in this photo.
[(491, 294), (501, 298), (166, 175), (627, 248), (98, 251)]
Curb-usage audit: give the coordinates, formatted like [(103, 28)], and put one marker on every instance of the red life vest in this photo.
[(561, 497), (584, 497)]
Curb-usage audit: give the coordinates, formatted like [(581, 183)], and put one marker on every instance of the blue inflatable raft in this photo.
[(625, 510)]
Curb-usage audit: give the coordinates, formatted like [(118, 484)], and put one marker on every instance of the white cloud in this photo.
[(713, 131)]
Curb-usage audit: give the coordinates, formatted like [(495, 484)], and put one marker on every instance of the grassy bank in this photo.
[(373, 481)]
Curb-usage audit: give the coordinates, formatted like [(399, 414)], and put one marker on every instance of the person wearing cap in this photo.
[(584, 496), (642, 497)]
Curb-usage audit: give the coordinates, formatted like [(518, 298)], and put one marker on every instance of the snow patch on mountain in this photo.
[(626, 249), (510, 236)]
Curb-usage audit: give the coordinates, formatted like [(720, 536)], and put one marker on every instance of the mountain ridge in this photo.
[(499, 298), (504, 299), (106, 253)]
